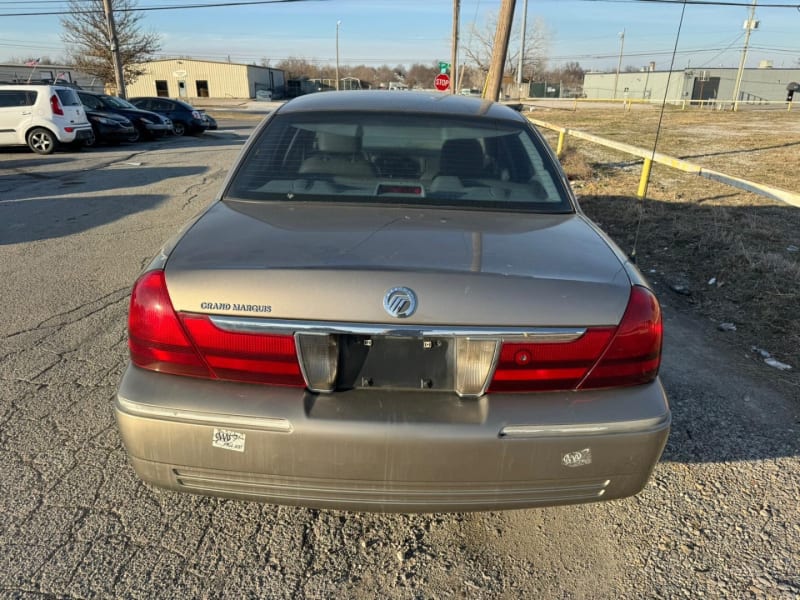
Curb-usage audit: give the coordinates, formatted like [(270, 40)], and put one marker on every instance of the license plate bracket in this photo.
[(396, 363)]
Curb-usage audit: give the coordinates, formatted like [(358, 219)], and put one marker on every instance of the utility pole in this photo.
[(338, 23), (749, 25), (454, 50), (494, 79), (619, 64), (115, 57), (522, 48)]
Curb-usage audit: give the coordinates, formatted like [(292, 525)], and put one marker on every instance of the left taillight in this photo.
[(55, 105), (162, 340)]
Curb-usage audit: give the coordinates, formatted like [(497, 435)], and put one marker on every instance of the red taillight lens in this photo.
[(160, 340), (55, 105), (548, 366), (156, 338), (245, 356), (629, 354), (634, 355)]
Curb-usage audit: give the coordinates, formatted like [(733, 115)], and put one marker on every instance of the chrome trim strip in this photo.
[(260, 325), (541, 431), (136, 409)]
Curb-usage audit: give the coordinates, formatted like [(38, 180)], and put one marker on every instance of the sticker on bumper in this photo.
[(228, 440), (577, 459)]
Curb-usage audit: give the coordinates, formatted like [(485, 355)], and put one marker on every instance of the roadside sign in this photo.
[(443, 66), (442, 82)]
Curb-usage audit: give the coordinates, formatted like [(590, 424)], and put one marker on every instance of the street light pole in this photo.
[(619, 64), (337, 54)]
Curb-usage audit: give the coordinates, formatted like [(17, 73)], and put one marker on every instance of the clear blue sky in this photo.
[(406, 31)]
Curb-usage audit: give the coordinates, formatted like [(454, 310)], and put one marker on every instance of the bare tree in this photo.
[(422, 75), (480, 40), (298, 67), (88, 42)]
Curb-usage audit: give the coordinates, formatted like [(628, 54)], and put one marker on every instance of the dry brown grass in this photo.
[(693, 230)]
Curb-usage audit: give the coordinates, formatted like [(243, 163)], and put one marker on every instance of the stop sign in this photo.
[(442, 82)]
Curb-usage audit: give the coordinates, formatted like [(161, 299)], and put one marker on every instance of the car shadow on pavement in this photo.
[(51, 218), (122, 175), (28, 159)]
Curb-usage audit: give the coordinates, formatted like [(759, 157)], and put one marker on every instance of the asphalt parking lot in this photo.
[(719, 518)]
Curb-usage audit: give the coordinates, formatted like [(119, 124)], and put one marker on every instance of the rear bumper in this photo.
[(397, 452), (77, 134), (121, 133)]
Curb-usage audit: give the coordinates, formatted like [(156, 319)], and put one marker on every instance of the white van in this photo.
[(42, 117)]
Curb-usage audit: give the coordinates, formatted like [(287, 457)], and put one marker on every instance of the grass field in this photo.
[(727, 255)]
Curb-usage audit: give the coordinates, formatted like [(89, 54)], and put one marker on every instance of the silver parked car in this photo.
[(396, 304)]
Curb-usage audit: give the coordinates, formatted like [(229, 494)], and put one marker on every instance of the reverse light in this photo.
[(55, 105), (319, 360), (474, 360)]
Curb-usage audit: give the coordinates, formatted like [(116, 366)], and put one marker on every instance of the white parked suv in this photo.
[(42, 117)]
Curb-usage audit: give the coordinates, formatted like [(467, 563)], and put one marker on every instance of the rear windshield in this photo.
[(68, 97), (398, 158)]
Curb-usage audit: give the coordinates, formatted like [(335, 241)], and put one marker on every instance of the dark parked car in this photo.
[(146, 124), (109, 127), (185, 118), (395, 304)]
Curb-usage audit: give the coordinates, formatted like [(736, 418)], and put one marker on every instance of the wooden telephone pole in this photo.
[(115, 57), (494, 79)]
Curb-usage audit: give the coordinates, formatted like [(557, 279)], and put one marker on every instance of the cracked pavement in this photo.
[(719, 518)]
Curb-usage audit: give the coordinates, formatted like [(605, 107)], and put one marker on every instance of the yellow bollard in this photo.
[(562, 138), (645, 179)]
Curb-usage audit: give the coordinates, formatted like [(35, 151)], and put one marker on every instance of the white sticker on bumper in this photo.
[(577, 459), (228, 440)]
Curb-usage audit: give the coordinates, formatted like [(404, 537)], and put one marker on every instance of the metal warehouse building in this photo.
[(188, 78), (758, 85)]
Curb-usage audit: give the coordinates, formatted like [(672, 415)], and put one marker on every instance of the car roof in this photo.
[(412, 102)]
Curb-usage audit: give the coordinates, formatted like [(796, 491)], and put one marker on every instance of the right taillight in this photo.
[(55, 105), (634, 355), (629, 354), (161, 340)]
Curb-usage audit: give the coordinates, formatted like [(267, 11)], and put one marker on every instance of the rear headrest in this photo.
[(462, 158), (337, 144)]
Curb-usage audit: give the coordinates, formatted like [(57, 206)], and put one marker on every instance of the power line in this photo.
[(152, 8)]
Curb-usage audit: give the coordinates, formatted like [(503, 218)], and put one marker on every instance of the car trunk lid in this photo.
[(319, 262)]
